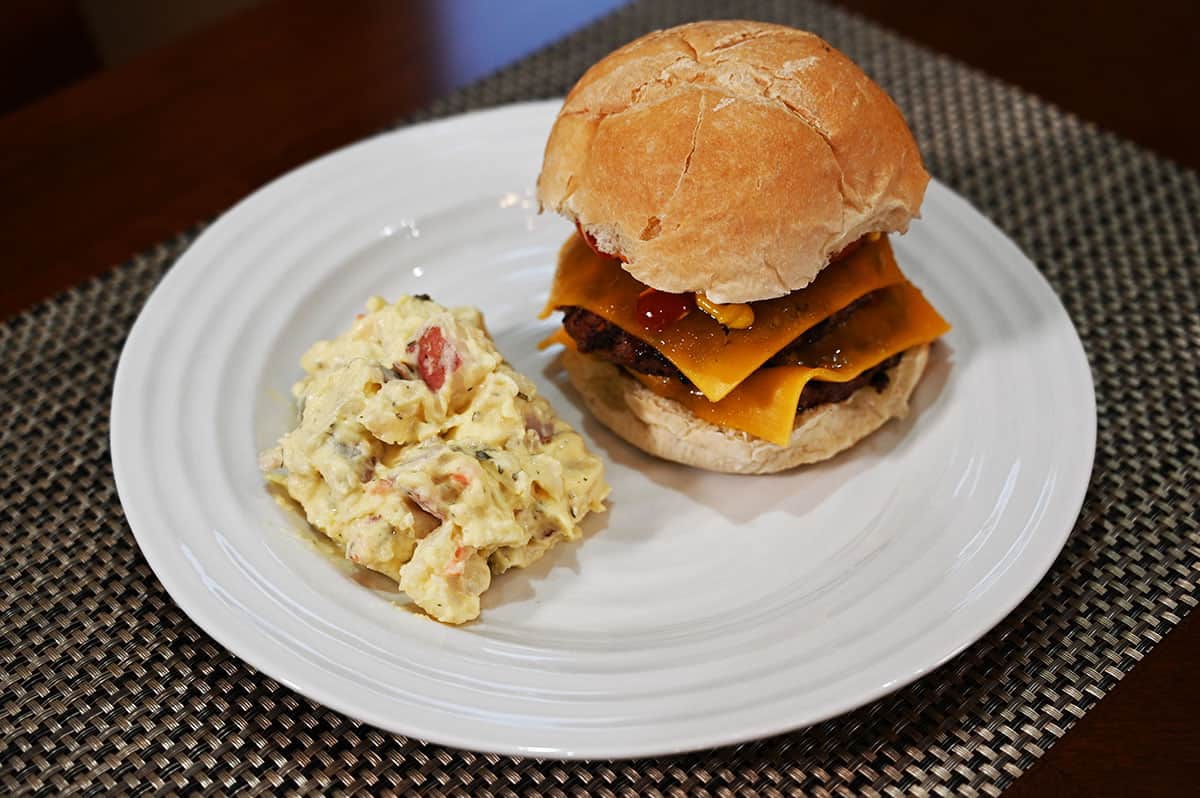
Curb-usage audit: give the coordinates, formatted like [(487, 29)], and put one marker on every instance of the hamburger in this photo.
[(730, 297)]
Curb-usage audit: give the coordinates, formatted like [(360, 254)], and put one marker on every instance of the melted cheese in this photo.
[(764, 405), (559, 336), (715, 359)]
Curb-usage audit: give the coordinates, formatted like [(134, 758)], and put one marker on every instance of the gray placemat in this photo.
[(105, 686)]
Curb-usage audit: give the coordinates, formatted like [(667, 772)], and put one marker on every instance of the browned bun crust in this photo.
[(667, 429), (730, 157)]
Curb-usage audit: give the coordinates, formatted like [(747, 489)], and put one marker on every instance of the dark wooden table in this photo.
[(109, 166)]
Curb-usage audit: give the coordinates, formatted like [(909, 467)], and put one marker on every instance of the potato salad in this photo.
[(429, 459)]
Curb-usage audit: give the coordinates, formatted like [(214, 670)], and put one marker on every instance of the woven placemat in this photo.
[(105, 686)]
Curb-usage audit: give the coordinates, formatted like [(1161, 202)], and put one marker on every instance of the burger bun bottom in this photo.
[(667, 429)]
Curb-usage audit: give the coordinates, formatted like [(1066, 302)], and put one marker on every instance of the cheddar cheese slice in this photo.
[(892, 320), (559, 336), (715, 359)]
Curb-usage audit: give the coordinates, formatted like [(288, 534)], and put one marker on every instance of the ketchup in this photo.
[(657, 310)]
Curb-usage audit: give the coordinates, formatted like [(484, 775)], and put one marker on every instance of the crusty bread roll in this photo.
[(667, 429), (730, 157)]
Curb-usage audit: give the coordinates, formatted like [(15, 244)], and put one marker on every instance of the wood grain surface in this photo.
[(106, 167)]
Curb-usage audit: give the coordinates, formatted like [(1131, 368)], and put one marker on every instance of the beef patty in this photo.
[(595, 336)]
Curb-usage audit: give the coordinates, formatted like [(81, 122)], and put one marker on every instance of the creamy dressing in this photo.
[(428, 458)]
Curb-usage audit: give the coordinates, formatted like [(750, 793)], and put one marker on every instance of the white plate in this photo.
[(701, 609)]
